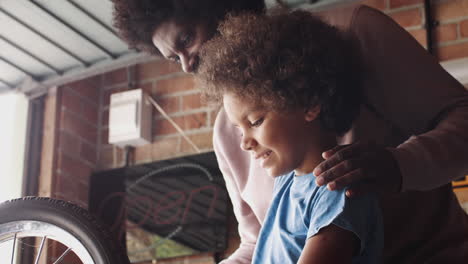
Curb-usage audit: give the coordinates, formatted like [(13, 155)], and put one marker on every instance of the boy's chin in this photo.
[(274, 174)]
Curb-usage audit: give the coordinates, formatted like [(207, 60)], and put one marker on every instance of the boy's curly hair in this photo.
[(136, 20), (285, 60)]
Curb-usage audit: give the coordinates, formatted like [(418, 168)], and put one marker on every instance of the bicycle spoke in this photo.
[(13, 252), (62, 256), (40, 250)]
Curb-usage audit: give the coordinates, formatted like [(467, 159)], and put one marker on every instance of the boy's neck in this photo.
[(322, 143)]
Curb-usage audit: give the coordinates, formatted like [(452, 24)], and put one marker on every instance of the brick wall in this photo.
[(450, 34), (76, 117), (174, 91), (70, 140)]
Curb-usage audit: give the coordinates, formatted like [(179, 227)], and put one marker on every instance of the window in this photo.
[(13, 117)]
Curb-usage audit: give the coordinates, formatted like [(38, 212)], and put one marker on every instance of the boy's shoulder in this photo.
[(304, 187)]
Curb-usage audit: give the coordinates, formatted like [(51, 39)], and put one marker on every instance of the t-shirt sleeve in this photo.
[(360, 215)]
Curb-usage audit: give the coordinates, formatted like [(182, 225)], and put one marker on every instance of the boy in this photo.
[(290, 94)]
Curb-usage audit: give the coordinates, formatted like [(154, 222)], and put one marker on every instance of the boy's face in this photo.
[(278, 141), (181, 42)]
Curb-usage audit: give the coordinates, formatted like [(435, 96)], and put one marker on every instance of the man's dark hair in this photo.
[(136, 20), (285, 60)]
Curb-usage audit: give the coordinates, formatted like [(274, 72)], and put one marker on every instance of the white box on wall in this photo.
[(129, 118)]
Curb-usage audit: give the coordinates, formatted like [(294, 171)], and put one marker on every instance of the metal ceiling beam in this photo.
[(44, 63), (92, 17), (35, 89), (90, 41), (11, 64), (60, 47), (7, 84)]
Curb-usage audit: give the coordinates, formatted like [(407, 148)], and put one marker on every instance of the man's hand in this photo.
[(363, 167)]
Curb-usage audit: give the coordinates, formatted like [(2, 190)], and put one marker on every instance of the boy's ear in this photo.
[(312, 113)]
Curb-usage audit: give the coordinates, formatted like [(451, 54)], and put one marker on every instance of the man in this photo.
[(415, 112)]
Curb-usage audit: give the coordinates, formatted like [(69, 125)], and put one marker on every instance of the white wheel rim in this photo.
[(22, 229)]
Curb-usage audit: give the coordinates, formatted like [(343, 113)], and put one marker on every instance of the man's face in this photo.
[(181, 42), (280, 142)]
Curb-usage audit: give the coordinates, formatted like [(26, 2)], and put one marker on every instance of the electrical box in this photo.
[(129, 118)]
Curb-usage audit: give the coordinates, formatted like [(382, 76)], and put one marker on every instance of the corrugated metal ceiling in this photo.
[(49, 42), (45, 43)]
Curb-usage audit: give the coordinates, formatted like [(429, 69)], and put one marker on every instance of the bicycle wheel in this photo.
[(47, 221)]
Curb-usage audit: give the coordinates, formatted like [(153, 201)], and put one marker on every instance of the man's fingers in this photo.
[(337, 171), (341, 153), (327, 154), (333, 160), (346, 180)]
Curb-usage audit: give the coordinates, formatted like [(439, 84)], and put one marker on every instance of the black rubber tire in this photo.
[(70, 217)]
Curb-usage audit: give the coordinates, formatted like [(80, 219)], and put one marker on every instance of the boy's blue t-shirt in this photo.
[(300, 209)]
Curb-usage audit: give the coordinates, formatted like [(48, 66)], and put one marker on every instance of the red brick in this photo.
[(401, 3), (444, 10), (90, 113), (68, 188), (165, 148), (446, 32), (167, 86), (195, 121), (71, 100), (408, 18), (72, 124), (73, 166), (454, 51), (464, 28), (115, 77), (377, 4), (104, 137), (88, 153), (146, 87), (142, 154), (156, 68), (187, 122), (168, 104), (192, 101), (203, 141), (88, 88), (164, 127), (420, 36), (106, 157), (68, 143), (105, 117)]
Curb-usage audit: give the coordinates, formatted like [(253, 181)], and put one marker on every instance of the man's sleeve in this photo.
[(408, 87), (249, 226)]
